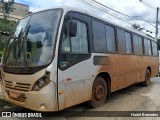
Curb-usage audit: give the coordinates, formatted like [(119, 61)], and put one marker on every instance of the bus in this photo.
[(61, 57)]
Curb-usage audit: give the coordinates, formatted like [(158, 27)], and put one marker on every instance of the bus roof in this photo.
[(69, 8)]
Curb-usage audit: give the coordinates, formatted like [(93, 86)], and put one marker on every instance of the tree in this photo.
[(6, 6), (5, 25), (3, 39)]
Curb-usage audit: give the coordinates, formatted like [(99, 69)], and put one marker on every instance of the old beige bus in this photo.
[(65, 56)]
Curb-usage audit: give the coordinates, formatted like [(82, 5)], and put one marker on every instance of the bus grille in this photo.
[(17, 86), (20, 99)]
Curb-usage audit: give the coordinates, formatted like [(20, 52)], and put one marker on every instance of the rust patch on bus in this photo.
[(126, 70)]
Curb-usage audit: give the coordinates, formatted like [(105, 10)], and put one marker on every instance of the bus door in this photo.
[(74, 71)]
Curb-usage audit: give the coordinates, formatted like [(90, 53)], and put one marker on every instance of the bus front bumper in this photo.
[(43, 100)]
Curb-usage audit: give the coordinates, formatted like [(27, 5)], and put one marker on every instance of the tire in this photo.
[(147, 78), (99, 92)]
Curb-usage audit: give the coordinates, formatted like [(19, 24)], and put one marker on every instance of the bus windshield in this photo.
[(31, 44)]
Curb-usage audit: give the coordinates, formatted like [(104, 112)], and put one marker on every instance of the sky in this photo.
[(145, 9)]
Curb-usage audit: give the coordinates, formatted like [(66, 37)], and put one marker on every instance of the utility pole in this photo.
[(157, 22)]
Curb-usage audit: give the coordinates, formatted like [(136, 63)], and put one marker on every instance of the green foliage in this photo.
[(8, 27), (3, 43)]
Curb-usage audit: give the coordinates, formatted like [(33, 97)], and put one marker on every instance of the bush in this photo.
[(7, 28)]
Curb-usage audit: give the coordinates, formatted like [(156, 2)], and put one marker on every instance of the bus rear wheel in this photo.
[(99, 92), (147, 78)]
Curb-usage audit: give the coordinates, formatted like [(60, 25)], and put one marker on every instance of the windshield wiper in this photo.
[(25, 47), (19, 41), (11, 46)]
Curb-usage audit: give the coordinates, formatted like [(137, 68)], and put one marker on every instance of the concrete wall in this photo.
[(19, 11)]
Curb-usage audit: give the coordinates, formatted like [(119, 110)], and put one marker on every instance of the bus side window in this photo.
[(147, 46), (128, 42), (136, 44), (99, 36), (73, 49), (150, 49), (140, 45), (110, 37), (154, 48), (121, 41), (65, 45)]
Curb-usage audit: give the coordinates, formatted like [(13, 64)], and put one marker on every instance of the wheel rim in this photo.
[(99, 92)]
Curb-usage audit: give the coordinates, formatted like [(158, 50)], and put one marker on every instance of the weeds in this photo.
[(4, 103)]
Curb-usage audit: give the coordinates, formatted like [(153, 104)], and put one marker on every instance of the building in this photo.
[(19, 11)]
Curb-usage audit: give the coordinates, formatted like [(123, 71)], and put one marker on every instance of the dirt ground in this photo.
[(133, 98)]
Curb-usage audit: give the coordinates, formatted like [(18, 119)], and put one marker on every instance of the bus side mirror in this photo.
[(72, 28)]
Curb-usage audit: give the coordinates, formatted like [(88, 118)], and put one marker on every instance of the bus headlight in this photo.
[(42, 82)]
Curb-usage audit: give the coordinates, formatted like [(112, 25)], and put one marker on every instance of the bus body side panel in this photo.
[(154, 66), (121, 69), (76, 84), (126, 70)]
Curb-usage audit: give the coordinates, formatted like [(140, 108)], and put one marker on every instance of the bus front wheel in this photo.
[(147, 78), (99, 92)]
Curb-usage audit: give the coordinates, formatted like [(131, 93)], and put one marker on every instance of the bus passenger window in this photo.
[(140, 46), (110, 37), (136, 44), (150, 49), (73, 49), (154, 48), (128, 42), (147, 46), (99, 37), (121, 41)]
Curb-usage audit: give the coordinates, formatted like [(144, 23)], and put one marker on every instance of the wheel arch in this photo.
[(149, 68), (107, 78)]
